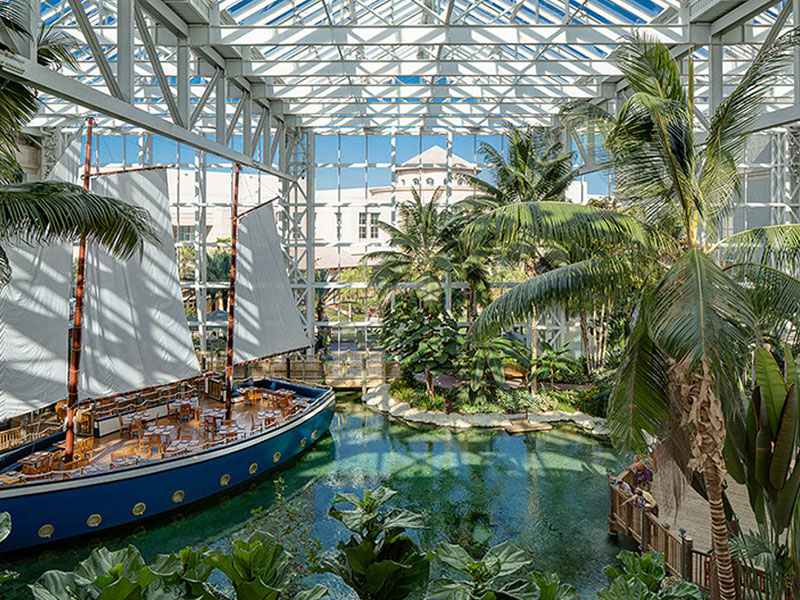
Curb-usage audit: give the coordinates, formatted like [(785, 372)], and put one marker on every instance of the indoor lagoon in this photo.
[(546, 492)]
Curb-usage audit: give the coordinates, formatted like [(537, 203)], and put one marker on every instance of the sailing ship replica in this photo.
[(144, 430)]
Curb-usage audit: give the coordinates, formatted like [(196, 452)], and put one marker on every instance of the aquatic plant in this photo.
[(379, 562), (643, 577), (502, 572), (257, 568), (5, 530)]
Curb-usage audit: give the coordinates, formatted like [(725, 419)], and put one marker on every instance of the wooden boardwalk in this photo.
[(682, 532), (691, 511)]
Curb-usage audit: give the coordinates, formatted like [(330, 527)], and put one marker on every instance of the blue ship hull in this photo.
[(45, 512)]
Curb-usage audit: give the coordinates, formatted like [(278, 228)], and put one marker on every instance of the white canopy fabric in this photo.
[(135, 333), (266, 319), (34, 316)]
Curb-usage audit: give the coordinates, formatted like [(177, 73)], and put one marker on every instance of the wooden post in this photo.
[(645, 531), (77, 323), (364, 375), (612, 532), (687, 546), (232, 295)]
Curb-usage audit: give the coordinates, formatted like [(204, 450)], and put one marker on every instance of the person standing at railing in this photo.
[(644, 499), (641, 471)]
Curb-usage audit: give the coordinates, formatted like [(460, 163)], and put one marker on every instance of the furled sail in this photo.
[(34, 315), (266, 320), (135, 333)]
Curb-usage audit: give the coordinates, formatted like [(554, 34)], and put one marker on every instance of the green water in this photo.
[(544, 491)]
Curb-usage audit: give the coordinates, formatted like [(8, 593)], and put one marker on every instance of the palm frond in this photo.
[(552, 289), (47, 212), (734, 119), (54, 48), (700, 314), (639, 403), (775, 245), (775, 296), (650, 68), (559, 223)]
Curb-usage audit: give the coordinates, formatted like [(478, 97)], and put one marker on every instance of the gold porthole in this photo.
[(178, 496), (276, 457), (253, 468), (46, 531), (314, 435), (139, 508), (94, 520), (224, 480), (303, 442)]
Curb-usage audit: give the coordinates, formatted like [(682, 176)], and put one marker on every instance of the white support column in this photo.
[(200, 291), (125, 59), (715, 54), (309, 159), (222, 101), (183, 80), (796, 61), (247, 124)]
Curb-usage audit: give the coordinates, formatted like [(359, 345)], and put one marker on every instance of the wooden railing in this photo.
[(342, 369), (681, 558)]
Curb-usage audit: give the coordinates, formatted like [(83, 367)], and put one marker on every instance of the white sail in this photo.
[(134, 332), (34, 315), (266, 319)]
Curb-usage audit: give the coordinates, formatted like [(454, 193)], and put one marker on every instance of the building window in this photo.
[(416, 181), (429, 181), (185, 233), (373, 226), (363, 220)]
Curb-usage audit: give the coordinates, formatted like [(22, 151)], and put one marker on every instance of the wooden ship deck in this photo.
[(130, 430)]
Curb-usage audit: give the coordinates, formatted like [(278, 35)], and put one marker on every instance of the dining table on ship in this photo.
[(138, 422), (35, 462), (160, 434), (10, 478), (215, 415), (231, 432)]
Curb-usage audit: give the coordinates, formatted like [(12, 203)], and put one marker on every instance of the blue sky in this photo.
[(331, 149)]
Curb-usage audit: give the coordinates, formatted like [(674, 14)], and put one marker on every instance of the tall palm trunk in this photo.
[(719, 532), (702, 415), (534, 350), (587, 344)]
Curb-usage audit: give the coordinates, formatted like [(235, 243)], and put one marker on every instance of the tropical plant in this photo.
[(762, 451), (256, 569), (418, 253), (537, 169), (5, 531), (218, 269), (420, 340), (706, 298), (484, 369), (551, 362), (379, 562), (643, 577), (503, 572), (49, 212)]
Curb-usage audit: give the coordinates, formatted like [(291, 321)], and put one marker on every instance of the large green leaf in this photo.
[(784, 447), (773, 388), (699, 314), (639, 403)]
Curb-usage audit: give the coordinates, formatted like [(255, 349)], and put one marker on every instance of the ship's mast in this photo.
[(75, 354), (232, 295)]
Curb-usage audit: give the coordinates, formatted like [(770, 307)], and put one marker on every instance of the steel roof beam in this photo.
[(52, 82)]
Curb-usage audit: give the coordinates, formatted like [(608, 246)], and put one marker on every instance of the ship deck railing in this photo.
[(135, 459)]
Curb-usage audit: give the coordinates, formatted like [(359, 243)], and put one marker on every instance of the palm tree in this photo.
[(419, 251), (537, 170), (702, 310), (48, 212)]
